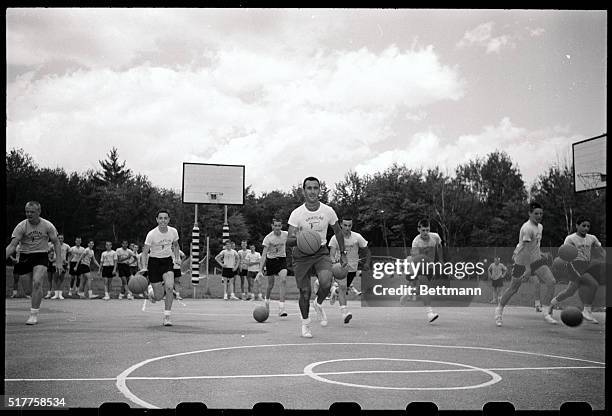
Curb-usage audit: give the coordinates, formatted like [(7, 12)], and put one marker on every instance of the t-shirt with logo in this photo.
[(161, 243), (230, 257), (583, 244), (276, 244), (426, 247), (529, 241), (352, 244), (34, 238), (253, 258), (318, 221), (124, 255), (75, 253), (108, 258)]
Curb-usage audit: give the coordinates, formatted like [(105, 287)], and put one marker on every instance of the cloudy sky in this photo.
[(292, 93)]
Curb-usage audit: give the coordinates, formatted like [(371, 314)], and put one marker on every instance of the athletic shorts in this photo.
[(133, 270), (158, 267), (227, 272), (592, 268), (305, 265), (107, 271), (82, 269), (27, 261), (518, 270), (177, 272), (72, 268), (251, 275), (350, 276), (275, 265), (123, 269), (51, 268), (243, 272), (497, 282)]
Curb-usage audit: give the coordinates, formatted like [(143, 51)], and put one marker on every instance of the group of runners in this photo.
[(42, 251)]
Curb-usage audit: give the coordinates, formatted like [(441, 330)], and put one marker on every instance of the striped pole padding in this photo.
[(195, 255), (225, 228)]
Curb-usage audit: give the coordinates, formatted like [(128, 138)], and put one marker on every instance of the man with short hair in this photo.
[(274, 258), (229, 261), (83, 268), (528, 258), (160, 253), (126, 259), (108, 260), (34, 233), (315, 216), (61, 274), (497, 271), (73, 254), (243, 270), (253, 259)]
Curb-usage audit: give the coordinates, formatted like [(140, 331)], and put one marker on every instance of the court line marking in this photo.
[(495, 378), (121, 382), (327, 373)]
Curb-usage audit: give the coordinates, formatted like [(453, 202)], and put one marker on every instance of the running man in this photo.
[(582, 272), (125, 259), (528, 259), (253, 259), (74, 254), (426, 246), (315, 216), (243, 270), (274, 258), (108, 260), (34, 233), (497, 272), (229, 261), (83, 268), (353, 243), (160, 253)]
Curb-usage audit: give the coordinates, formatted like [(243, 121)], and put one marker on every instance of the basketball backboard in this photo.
[(205, 183), (589, 157)]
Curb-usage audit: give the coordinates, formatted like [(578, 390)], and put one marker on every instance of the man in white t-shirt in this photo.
[(243, 269), (528, 259), (583, 272), (34, 233), (353, 243), (274, 258), (61, 274), (160, 253), (315, 216), (229, 260), (253, 259), (497, 272)]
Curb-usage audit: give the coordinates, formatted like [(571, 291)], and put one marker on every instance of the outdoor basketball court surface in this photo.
[(91, 351)]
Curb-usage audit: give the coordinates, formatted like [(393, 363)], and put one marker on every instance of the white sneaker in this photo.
[(347, 317), (225, 297), (333, 295), (32, 320), (355, 291), (56, 296), (151, 295), (130, 296), (60, 297), (432, 316), (47, 296), (498, 316), (320, 313), (282, 313), (167, 321), (548, 318), (93, 296), (15, 295), (120, 296), (106, 297), (259, 297), (306, 331), (589, 317), (233, 297)]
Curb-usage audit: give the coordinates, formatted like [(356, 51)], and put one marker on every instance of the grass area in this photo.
[(211, 287)]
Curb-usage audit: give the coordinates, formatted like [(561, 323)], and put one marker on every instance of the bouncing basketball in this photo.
[(571, 316), (339, 272), (308, 242), (260, 313), (138, 284), (568, 252)]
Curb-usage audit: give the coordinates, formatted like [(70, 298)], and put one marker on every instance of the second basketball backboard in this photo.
[(589, 157)]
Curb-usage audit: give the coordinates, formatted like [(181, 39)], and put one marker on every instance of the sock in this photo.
[(90, 292), (587, 308), (343, 309), (167, 313), (58, 292), (428, 309), (34, 311), (281, 305), (305, 321)]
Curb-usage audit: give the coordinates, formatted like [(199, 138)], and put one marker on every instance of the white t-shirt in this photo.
[(253, 258), (529, 241), (243, 263), (318, 220), (124, 256), (88, 255), (65, 250), (583, 244), (230, 258), (426, 247), (276, 244), (108, 258), (75, 252), (497, 270), (161, 243), (34, 238), (352, 244)]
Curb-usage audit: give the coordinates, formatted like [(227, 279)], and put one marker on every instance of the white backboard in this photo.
[(589, 164), (205, 183)]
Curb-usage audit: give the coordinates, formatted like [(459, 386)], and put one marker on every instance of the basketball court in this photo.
[(216, 353)]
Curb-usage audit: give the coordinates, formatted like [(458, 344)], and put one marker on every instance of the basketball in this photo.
[(138, 284), (260, 313), (339, 272), (308, 242), (568, 252), (571, 316)]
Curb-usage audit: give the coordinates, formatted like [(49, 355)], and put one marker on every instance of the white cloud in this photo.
[(482, 35), (532, 151), (535, 32)]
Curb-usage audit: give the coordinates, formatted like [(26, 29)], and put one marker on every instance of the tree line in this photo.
[(482, 205)]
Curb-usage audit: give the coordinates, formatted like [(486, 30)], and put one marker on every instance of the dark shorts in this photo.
[(497, 282), (82, 269), (595, 269), (27, 261), (133, 270), (158, 267), (177, 273), (305, 265), (107, 271), (243, 272), (123, 270), (274, 266), (227, 272), (518, 270), (72, 268), (251, 275), (51, 268)]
